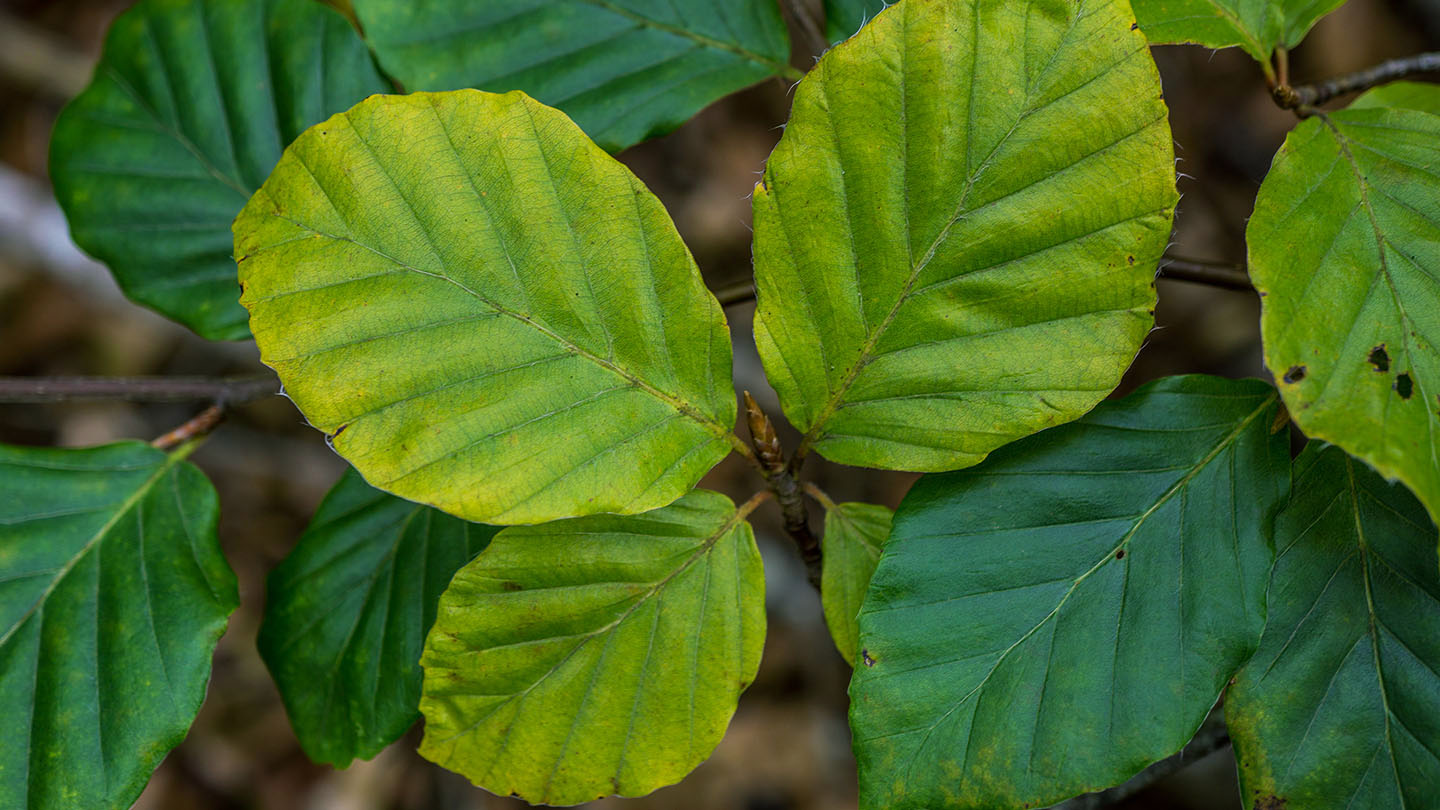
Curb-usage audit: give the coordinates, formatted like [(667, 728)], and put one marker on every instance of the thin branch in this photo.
[(206, 421), (220, 390), (1304, 97), (737, 293), (1214, 274), (786, 488)]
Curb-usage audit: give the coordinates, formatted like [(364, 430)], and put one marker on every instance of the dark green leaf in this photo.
[(956, 238), (1340, 707), (625, 70), (113, 593), (598, 655), (1057, 618), (347, 612), (843, 18), (1345, 250), (189, 110)]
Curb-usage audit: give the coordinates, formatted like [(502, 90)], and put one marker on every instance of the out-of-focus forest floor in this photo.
[(788, 746)]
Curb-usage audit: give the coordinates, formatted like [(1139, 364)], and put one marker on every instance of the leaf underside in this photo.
[(1345, 250), (854, 535), (614, 673), (625, 70), (346, 615), (956, 238), (486, 312), (1258, 26), (1052, 621), (190, 107), (113, 594), (1340, 707)]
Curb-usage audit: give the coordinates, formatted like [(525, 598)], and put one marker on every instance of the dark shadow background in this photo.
[(788, 747)]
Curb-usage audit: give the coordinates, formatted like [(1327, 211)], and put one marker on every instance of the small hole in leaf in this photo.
[(1379, 358), (1130, 259), (865, 656), (1295, 374), (1120, 555), (1134, 26), (1404, 386)]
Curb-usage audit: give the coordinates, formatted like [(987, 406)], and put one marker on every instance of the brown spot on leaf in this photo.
[(508, 585), (1134, 26), (1379, 358), (1269, 802), (1120, 555), (1294, 375), (1404, 386), (865, 656), (1131, 260)]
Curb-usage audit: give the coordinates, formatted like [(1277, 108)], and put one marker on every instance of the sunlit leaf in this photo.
[(1258, 26)]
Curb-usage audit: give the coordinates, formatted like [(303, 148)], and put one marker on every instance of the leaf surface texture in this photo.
[(1054, 620), (1340, 707), (113, 594), (614, 672), (956, 238), (1258, 26), (190, 107), (625, 70), (486, 312), (347, 611), (1345, 250)]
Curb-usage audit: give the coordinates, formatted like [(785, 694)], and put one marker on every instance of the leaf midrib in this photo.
[(1178, 486), (681, 406)]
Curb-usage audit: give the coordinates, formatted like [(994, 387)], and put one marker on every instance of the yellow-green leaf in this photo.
[(854, 534), (596, 656), (956, 238), (1345, 250), (486, 312), (1258, 26)]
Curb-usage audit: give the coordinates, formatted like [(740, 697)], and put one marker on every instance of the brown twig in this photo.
[(221, 390), (1214, 274), (786, 488), (1301, 99), (204, 422)]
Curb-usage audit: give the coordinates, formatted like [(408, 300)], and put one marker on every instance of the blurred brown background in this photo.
[(788, 747)]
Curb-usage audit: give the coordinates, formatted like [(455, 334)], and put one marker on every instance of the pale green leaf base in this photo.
[(854, 535)]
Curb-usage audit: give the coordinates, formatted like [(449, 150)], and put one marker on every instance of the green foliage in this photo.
[(1258, 26), (1340, 707), (615, 673), (625, 70), (486, 312), (113, 593), (927, 290), (1350, 216), (347, 612), (854, 534), (1065, 614), (191, 105), (845, 17)]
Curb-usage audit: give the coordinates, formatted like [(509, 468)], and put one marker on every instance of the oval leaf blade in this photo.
[(1339, 706), (956, 238), (191, 104), (1258, 26), (854, 535), (1053, 621), (625, 70), (113, 594), (613, 673), (1345, 250), (487, 313), (347, 611)]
